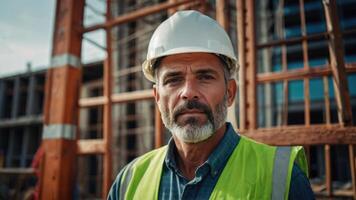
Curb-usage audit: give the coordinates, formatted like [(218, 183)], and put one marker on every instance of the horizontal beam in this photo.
[(128, 17), (319, 191), (21, 121), (300, 74), (297, 40), (90, 146), (123, 97), (290, 41), (132, 96), (92, 101), (15, 171), (301, 135)]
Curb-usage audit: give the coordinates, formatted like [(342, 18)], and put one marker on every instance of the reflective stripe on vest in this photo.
[(280, 172), (126, 179)]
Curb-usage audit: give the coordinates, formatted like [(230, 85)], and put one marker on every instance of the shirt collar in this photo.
[(217, 159), (170, 159)]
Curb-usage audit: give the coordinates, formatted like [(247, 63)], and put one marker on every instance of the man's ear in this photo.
[(231, 91), (155, 93)]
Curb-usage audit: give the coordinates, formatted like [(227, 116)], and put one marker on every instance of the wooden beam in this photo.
[(301, 135), (328, 167), (90, 146), (250, 66), (284, 120), (159, 128), (123, 97), (352, 159), (328, 171), (336, 51), (241, 34), (300, 74), (92, 101), (128, 17), (126, 97), (61, 103), (223, 19), (107, 124), (221, 14), (67, 37), (291, 41), (306, 64), (171, 11), (62, 95), (343, 193), (58, 175), (281, 35)]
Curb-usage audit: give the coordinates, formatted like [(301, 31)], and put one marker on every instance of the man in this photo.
[(192, 63)]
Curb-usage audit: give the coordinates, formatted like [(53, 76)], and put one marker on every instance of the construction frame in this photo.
[(62, 102)]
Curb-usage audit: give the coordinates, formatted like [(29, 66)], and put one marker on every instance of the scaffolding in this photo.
[(106, 112)]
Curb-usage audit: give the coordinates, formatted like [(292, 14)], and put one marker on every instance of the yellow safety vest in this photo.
[(253, 171)]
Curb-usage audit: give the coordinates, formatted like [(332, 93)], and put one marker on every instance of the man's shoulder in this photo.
[(140, 162)]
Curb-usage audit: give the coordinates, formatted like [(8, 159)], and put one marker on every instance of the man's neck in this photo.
[(191, 156)]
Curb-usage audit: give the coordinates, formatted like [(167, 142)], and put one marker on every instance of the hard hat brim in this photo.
[(147, 65)]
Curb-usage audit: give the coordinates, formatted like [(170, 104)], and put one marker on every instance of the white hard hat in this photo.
[(188, 32)]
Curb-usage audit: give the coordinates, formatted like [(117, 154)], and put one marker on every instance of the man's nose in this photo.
[(190, 90)]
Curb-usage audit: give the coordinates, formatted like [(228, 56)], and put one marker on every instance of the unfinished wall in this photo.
[(21, 102)]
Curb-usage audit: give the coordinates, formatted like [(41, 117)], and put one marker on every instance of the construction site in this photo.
[(66, 131)]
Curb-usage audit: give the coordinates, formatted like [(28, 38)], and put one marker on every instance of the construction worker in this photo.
[(192, 63)]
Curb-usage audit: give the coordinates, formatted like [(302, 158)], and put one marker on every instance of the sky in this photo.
[(26, 28), (25, 34)]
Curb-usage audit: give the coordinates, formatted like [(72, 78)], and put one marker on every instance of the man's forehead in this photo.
[(193, 61), (190, 58)]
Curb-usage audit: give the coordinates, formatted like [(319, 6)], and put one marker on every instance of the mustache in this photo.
[(193, 104)]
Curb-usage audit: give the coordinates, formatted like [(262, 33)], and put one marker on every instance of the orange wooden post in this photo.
[(171, 11), (250, 67), (221, 14), (159, 128), (222, 17), (241, 34), (341, 89), (61, 109), (107, 130)]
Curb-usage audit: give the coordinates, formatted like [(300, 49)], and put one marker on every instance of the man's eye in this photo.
[(206, 77), (172, 80)]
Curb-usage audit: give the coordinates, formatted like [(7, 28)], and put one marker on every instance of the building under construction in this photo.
[(297, 86)]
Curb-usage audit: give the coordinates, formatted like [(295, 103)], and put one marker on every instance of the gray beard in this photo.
[(192, 132)]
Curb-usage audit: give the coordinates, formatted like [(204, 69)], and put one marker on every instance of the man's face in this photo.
[(192, 95)]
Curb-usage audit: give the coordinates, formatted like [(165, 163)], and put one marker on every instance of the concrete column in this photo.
[(31, 101), (24, 150), (10, 148), (16, 98), (2, 98)]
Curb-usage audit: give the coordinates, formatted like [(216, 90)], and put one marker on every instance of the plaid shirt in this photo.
[(174, 185)]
